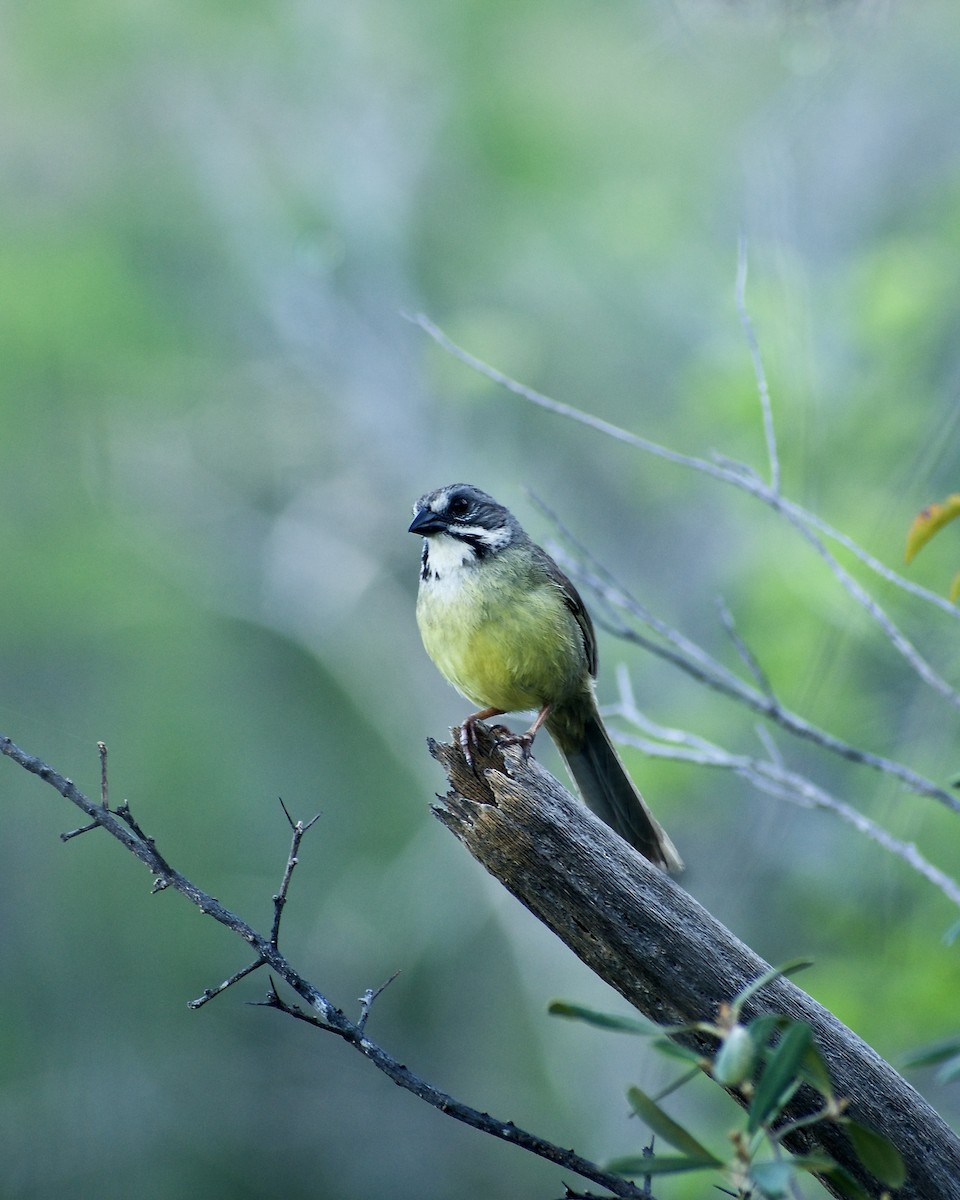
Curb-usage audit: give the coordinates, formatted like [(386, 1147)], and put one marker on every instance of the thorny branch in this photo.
[(322, 1014)]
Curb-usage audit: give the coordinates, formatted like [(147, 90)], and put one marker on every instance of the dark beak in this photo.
[(426, 522)]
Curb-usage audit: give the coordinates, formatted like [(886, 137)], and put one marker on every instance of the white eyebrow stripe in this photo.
[(493, 539)]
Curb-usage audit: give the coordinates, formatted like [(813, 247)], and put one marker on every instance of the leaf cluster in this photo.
[(766, 1060)]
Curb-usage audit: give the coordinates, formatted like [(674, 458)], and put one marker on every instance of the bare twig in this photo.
[(696, 662), (758, 369), (368, 999), (742, 477), (727, 474), (280, 899), (72, 833), (104, 792), (766, 775), (211, 993), (746, 654), (504, 1130), (323, 1013)]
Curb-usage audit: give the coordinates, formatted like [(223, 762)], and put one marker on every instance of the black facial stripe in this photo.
[(480, 548), (424, 561)]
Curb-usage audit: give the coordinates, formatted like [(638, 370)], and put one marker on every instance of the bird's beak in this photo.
[(426, 522)]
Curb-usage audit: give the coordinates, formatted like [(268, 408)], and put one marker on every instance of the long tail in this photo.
[(607, 788)]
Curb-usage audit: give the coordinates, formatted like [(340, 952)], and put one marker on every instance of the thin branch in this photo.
[(727, 474), (900, 642), (104, 790), (368, 999), (280, 899), (324, 1014), (767, 776), (740, 476), (210, 993), (746, 654), (504, 1130), (724, 469), (696, 662), (875, 565), (758, 368)]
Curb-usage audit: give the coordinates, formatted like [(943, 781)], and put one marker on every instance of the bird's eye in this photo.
[(459, 506)]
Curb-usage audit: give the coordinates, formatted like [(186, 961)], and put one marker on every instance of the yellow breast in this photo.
[(504, 639)]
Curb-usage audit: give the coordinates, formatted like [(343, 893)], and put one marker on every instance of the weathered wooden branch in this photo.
[(649, 939)]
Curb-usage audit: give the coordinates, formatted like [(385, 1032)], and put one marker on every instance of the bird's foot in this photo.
[(506, 738), (468, 734), (468, 743)]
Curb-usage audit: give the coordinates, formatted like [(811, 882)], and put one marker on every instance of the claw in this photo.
[(467, 742), (523, 740), (468, 738)]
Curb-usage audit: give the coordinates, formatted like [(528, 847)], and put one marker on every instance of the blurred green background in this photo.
[(213, 421)]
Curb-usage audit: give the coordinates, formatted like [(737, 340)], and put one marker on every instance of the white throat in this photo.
[(446, 556)]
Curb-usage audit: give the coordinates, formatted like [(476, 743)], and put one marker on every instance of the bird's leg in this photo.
[(525, 740), (468, 736)]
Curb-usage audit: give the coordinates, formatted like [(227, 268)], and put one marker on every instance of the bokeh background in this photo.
[(213, 421)]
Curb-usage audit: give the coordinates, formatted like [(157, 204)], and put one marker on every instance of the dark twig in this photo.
[(280, 899), (369, 997), (104, 793), (72, 833), (95, 823), (210, 993), (324, 1014), (505, 1130)]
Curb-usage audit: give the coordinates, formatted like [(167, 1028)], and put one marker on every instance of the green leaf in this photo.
[(789, 968), (576, 1012), (814, 1069), (735, 1058), (877, 1153), (678, 1083), (813, 1164), (816, 1073), (676, 1050), (773, 1178), (780, 1075), (949, 1071), (660, 1164), (845, 1184), (929, 1056), (666, 1127), (763, 1028)]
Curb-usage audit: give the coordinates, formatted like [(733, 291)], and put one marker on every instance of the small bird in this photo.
[(508, 629)]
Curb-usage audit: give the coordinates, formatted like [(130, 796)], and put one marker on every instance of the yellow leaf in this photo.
[(955, 588), (929, 521)]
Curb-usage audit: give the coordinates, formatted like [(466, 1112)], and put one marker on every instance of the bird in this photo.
[(509, 630)]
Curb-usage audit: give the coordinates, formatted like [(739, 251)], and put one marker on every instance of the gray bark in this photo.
[(642, 933)]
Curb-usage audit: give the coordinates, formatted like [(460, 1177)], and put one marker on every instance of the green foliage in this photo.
[(214, 421), (771, 1057), (945, 1055)]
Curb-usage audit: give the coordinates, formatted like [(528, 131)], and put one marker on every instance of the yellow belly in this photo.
[(504, 647)]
